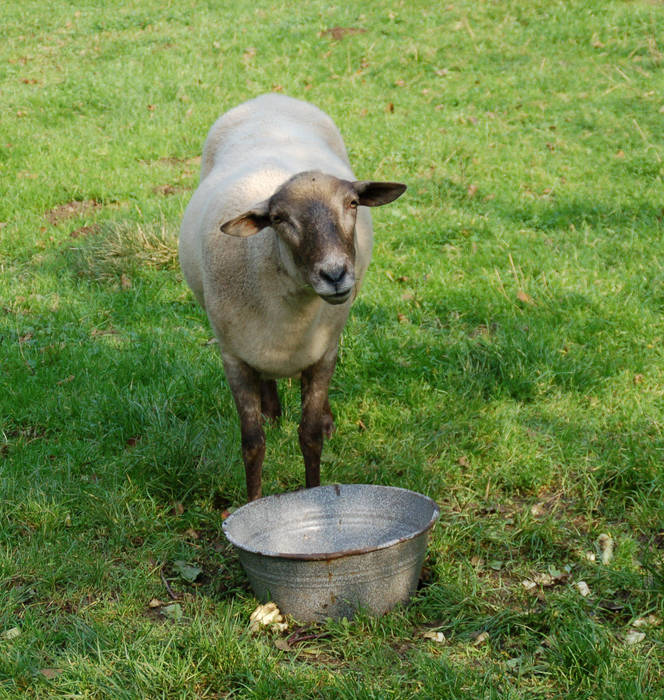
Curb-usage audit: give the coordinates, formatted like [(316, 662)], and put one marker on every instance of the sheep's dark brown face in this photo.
[(314, 215)]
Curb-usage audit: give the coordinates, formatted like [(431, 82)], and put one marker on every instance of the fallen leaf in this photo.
[(282, 644), (11, 633), (50, 673), (155, 603), (634, 637), (189, 572), (604, 544), (583, 588), (650, 621), (595, 42), (435, 636), (525, 298), (480, 639), (390, 107), (528, 584), (538, 510), (172, 611)]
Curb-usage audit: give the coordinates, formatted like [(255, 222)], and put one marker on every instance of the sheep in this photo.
[(274, 245)]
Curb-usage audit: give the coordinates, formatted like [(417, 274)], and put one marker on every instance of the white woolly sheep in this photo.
[(274, 244)]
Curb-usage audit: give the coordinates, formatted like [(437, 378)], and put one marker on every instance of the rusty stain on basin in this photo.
[(328, 551)]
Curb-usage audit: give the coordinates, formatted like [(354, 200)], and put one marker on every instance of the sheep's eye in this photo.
[(277, 219), (353, 203)]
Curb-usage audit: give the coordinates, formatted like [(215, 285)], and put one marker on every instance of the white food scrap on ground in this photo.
[(267, 615)]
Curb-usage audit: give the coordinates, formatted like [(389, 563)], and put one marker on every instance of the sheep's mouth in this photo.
[(338, 297)]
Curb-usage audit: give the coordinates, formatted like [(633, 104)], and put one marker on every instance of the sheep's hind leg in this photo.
[(246, 389), (270, 404), (316, 416)]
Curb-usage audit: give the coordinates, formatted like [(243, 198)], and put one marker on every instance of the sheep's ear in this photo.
[(374, 194), (249, 223)]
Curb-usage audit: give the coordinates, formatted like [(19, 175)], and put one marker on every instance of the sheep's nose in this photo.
[(333, 274)]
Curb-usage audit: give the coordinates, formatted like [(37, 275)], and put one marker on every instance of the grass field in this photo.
[(505, 356)]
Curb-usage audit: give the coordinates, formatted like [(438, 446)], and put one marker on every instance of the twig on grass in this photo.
[(169, 590)]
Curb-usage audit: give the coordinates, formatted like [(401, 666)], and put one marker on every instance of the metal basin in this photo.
[(330, 550)]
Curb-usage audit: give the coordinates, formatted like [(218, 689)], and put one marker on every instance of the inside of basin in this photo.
[(330, 521)]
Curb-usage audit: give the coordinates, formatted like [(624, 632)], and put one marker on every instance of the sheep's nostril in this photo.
[(333, 274)]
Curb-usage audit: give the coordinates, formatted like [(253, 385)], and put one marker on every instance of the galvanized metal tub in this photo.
[(331, 550)]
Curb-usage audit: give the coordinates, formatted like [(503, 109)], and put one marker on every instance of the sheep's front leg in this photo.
[(246, 389), (316, 415)]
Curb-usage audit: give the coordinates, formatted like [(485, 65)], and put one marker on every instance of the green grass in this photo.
[(504, 357)]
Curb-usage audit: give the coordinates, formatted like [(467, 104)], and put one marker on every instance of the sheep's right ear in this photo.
[(249, 223)]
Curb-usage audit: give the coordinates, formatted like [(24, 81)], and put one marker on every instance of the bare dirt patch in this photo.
[(338, 33), (71, 209)]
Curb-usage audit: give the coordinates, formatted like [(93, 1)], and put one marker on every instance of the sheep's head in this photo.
[(314, 215)]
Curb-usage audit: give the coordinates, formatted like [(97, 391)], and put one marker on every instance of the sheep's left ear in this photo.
[(374, 194), (249, 223)]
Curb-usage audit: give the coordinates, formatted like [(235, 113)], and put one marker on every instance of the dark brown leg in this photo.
[(328, 420), (315, 381), (245, 386), (270, 405)]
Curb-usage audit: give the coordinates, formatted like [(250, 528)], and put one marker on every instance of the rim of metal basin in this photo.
[(295, 496)]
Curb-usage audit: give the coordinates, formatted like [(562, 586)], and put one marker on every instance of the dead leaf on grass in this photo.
[(172, 611), (435, 636), (649, 621), (50, 673), (583, 588), (604, 544), (525, 298), (11, 633), (634, 637), (481, 638)]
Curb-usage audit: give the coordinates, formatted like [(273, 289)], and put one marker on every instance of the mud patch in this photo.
[(71, 209)]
